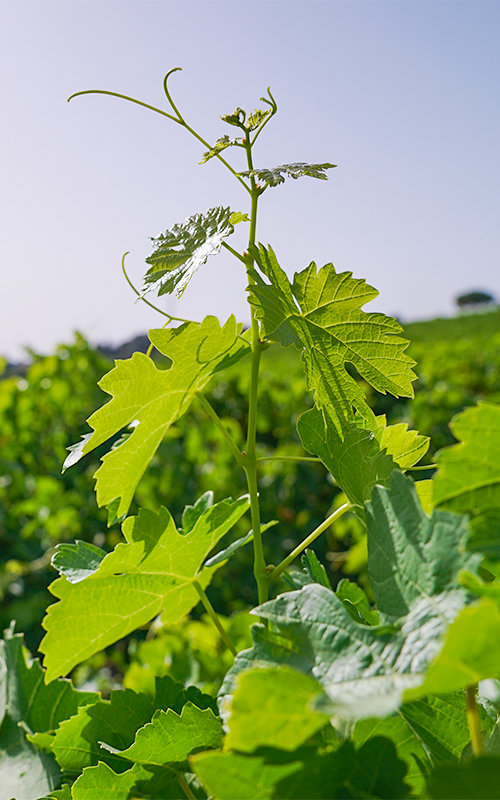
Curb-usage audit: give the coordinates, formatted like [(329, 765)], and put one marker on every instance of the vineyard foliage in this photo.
[(287, 581)]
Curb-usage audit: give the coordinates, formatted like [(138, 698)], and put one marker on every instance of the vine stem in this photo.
[(213, 616), (185, 787), (276, 572), (474, 722), (288, 458), (227, 436)]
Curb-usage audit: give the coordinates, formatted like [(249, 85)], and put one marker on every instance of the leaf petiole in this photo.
[(474, 723), (170, 318), (213, 616), (276, 572), (288, 458), (227, 436)]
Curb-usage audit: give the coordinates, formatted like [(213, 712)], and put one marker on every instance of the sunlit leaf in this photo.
[(152, 572), (221, 144), (276, 175), (182, 249)]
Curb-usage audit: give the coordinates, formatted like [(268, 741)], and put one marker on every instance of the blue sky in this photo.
[(403, 96)]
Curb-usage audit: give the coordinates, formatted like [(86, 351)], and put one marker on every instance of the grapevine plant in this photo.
[(388, 693)]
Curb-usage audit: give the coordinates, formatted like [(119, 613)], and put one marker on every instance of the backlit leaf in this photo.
[(182, 249), (77, 561), (152, 572), (320, 313), (277, 175), (154, 399), (219, 146)]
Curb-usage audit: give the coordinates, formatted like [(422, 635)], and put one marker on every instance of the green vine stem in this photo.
[(170, 318), (227, 436), (288, 458), (276, 572), (474, 722), (185, 787), (213, 616)]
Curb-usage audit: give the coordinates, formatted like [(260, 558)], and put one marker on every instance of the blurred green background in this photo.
[(43, 408)]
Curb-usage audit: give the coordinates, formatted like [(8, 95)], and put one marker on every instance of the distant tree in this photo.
[(475, 301)]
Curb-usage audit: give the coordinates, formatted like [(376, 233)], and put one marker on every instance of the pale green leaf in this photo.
[(169, 738), (321, 314), (40, 708), (237, 118), (25, 773), (237, 217), (221, 144), (270, 707), (471, 651), (409, 555), (77, 561), (277, 175), (150, 573), (153, 399), (468, 476), (227, 776), (182, 249), (314, 569), (353, 597), (101, 782), (256, 118), (191, 514)]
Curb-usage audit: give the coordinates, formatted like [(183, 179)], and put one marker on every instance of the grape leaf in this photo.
[(364, 458), (470, 653), (440, 724), (468, 476), (25, 773), (152, 572), (229, 775), (314, 569), (102, 782), (28, 700), (372, 771), (353, 596), (182, 249), (409, 555), (276, 175), (364, 670), (169, 738), (154, 399), (408, 747), (77, 561), (221, 144), (321, 314), (476, 779), (270, 707)]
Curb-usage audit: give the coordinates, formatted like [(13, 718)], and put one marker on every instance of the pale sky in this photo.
[(403, 96)]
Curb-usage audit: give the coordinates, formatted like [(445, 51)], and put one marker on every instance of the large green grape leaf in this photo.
[(76, 744), (151, 399), (409, 554), (276, 175), (468, 476), (440, 724), (25, 772), (169, 738), (103, 783), (364, 457), (270, 708), (182, 249), (150, 573), (320, 313), (365, 671), (470, 653), (372, 771), (28, 700)]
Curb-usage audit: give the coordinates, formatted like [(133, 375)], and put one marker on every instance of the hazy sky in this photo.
[(403, 96)]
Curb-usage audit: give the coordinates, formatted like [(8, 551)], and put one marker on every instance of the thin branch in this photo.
[(213, 616), (288, 458), (234, 252), (227, 436), (170, 318), (474, 722), (276, 572)]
